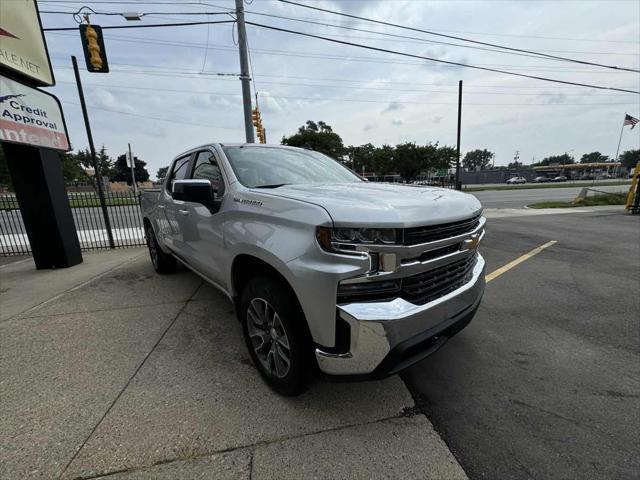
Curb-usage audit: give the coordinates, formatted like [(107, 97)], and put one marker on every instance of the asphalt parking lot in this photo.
[(127, 374), (545, 383)]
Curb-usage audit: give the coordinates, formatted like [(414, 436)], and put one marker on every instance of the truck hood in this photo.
[(384, 204)]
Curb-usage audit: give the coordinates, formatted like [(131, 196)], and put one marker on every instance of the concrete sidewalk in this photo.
[(110, 369)]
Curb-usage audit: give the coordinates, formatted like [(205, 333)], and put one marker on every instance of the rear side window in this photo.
[(179, 171), (206, 167)]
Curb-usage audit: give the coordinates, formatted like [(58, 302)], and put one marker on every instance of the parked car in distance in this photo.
[(516, 180), (327, 272), (560, 178), (541, 179)]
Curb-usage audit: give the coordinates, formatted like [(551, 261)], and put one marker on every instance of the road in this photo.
[(544, 383), (521, 198)]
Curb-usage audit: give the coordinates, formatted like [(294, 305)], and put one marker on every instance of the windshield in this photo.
[(270, 167)]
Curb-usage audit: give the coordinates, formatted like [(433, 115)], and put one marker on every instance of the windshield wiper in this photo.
[(275, 185)]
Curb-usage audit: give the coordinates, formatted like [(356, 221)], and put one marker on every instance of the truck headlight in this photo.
[(347, 240)]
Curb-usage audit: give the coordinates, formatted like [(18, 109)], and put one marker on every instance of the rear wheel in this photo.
[(162, 262), (276, 335)]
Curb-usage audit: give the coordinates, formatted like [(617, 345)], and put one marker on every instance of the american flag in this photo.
[(629, 120)]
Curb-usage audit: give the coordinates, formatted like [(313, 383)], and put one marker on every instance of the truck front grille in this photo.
[(419, 289), (428, 286), (417, 235)]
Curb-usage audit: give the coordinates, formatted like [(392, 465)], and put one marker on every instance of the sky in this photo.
[(164, 93)]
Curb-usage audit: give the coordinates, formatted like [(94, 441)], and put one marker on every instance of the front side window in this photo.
[(179, 171), (206, 167), (271, 167)]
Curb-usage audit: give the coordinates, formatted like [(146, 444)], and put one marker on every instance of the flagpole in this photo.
[(620, 139)]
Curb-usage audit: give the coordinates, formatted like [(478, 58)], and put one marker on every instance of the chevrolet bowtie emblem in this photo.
[(472, 242)]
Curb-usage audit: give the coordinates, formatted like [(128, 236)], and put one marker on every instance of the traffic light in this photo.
[(257, 122), (95, 54), (261, 135), (255, 115)]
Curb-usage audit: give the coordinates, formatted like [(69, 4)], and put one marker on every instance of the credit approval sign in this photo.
[(31, 117), (23, 49)]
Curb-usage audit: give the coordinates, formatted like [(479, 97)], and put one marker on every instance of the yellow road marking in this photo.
[(518, 261)]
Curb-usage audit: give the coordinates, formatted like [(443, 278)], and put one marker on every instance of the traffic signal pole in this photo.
[(458, 184), (245, 79), (98, 175)]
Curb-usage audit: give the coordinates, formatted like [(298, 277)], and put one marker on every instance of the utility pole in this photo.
[(133, 173), (245, 79), (92, 148), (458, 184)]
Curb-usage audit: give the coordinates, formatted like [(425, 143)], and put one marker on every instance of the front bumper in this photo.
[(386, 337)]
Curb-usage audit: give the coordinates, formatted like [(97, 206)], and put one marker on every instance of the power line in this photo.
[(429, 32), (545, 68), (359, 87), (151, 25), (340, 99), (399, 38), (384, 50), (204, 4), (199, 74), (169, 120)]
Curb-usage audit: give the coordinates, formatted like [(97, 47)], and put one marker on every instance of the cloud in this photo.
[(101, 98), (397, 122), (437, 119), (393, 107), (368, 127), (553, 98)]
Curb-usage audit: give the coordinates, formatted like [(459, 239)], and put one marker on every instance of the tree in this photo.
[(515, 165), (446, 157), (122, 170), (383, 160), (563, 159), (362, 156), (594, 157), (477, 159), (409, 160), (630, 158), (317, 136), (72, 168), (162, 172)]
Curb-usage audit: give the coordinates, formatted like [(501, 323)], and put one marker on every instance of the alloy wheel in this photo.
[(268, 337)]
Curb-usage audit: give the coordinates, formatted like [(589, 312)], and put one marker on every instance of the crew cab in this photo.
[(328, 273)]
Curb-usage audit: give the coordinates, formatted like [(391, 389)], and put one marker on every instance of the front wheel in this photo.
[(162, 262), (276, 335)]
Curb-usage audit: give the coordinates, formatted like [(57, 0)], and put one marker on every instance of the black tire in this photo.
[(162, 262), (292, 327)]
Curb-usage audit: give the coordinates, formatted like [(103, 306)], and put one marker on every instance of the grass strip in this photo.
[(594, 201)]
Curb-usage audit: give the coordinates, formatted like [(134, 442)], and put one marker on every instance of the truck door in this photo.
[(203, 239), (174, 210)]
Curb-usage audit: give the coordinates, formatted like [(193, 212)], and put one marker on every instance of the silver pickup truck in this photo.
[(327, 272)]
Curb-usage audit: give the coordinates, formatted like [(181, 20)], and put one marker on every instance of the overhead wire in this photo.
[(205, 4), (341, 99), (466, 65), (454, 37)]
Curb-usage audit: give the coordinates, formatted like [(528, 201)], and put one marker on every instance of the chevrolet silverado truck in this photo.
[(328, 272)]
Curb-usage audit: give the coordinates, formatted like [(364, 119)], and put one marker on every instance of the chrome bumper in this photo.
[(377, 328)]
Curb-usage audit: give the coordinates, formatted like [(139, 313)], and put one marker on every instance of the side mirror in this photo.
[(197, 191)]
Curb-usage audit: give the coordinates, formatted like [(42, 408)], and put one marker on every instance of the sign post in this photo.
[(32, 135)]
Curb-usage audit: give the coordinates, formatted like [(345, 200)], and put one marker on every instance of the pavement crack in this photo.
[(126, 385), (251, 454), (250, 447)]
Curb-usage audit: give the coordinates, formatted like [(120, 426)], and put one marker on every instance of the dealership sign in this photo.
[(23, 50), (31, 117)]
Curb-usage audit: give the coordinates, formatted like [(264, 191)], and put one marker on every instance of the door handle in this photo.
[(184, 212)]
